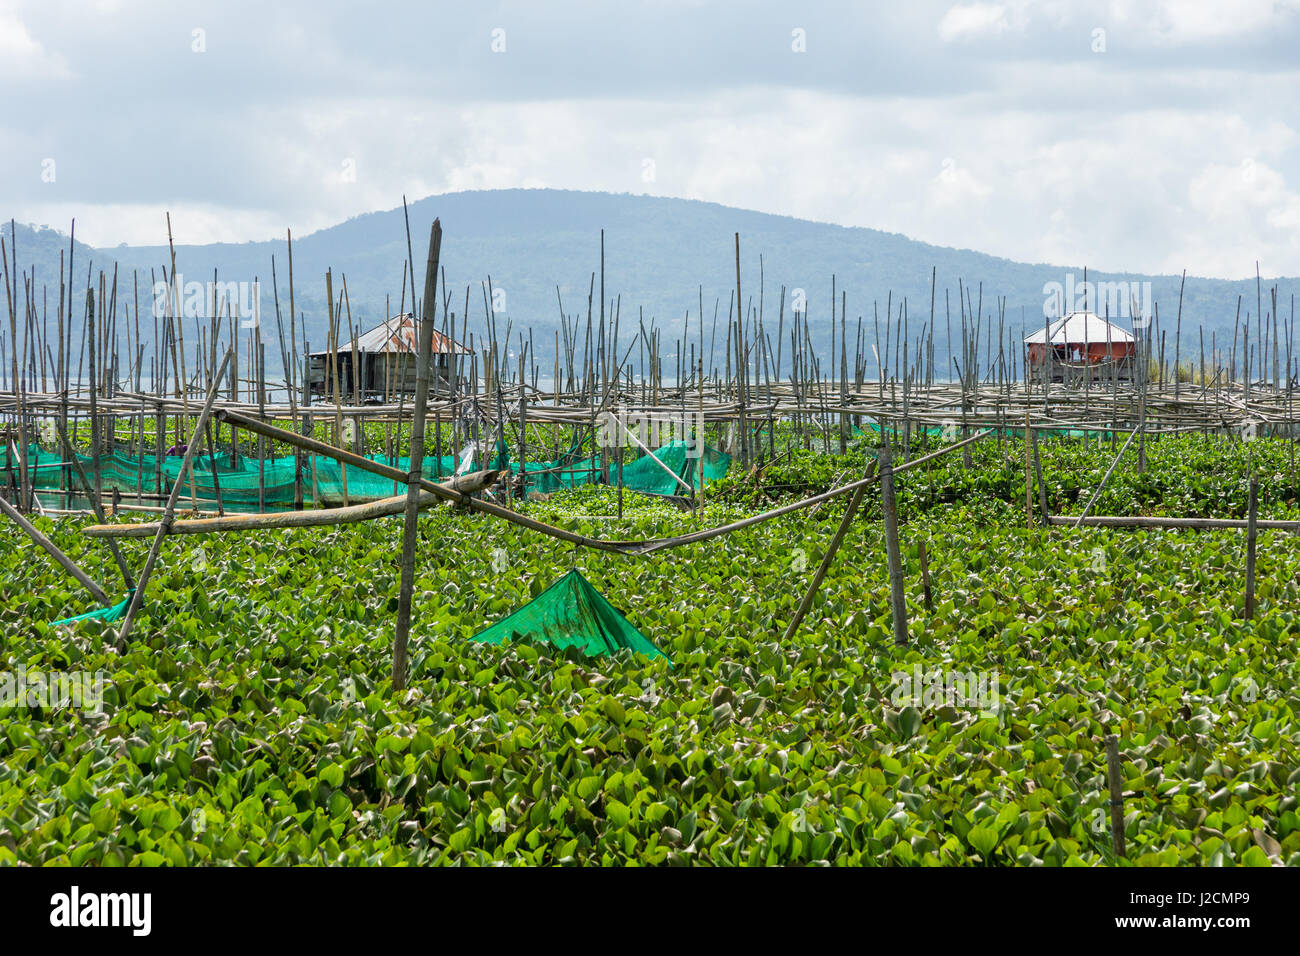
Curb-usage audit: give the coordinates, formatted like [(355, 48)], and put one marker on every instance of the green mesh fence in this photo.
[(641, 474), (238, 483)]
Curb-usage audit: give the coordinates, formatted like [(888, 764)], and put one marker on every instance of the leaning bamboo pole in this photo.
[(413, 479), (56, 553), (137, 596), (836, 540)]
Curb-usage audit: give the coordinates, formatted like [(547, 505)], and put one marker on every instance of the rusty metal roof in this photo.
[(395, 336)]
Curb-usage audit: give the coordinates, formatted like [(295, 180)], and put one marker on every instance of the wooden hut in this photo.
[(1081, 345), (385, 363)]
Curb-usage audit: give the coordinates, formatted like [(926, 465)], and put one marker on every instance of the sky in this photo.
[(1128, 135)]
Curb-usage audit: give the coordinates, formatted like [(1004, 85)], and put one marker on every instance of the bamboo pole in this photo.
[(96, 505), (320, 517), (1152, 521), (815, 584), (1038, 475), (1251, 534), (1115, 784), (137, 597), (417, 460), (926, 593), (54, 551), (897, 594), (1104, 479)]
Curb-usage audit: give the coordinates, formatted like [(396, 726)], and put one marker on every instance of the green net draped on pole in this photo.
[(106, 614), (571, 613)]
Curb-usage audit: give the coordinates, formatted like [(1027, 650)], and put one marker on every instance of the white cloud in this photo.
[(1122, 162), (956, 187), (1244, 206), (104, 225), (1155, 23), (21, 55), (1108, 188), (1177, 22), (966, 21)]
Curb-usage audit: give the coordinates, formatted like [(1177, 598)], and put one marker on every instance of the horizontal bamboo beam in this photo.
[(1152, 521), (708, 533), (318, 517)]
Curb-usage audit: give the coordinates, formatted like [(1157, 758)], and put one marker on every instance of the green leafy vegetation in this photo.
[(251, 719)]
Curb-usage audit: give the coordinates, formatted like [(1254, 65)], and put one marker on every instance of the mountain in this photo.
[(659, 253)]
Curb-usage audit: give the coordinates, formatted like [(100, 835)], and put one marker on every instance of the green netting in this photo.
[(571, 613), (642, 474), (239, 483), (916, 430), (107, 614)]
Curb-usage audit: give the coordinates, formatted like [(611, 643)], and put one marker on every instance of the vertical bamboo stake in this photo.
[(13, 355), (95, 464), (1251, 535), (1029, 480), (212, 464), (178, 348), (232, 316), (1115, 780), (290, 370), (740, 364), (334, 322), (925, 578), (1038, 473), (261, 414), (411, 527), (897, 595), (701, 437)]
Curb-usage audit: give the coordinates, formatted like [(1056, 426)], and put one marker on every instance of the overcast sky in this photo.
[(1144, 135)]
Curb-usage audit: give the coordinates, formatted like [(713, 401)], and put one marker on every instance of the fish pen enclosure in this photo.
[(706, 632), (100, 407)]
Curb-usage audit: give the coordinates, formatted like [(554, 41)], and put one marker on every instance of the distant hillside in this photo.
[(39, 249), (658, 253)]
